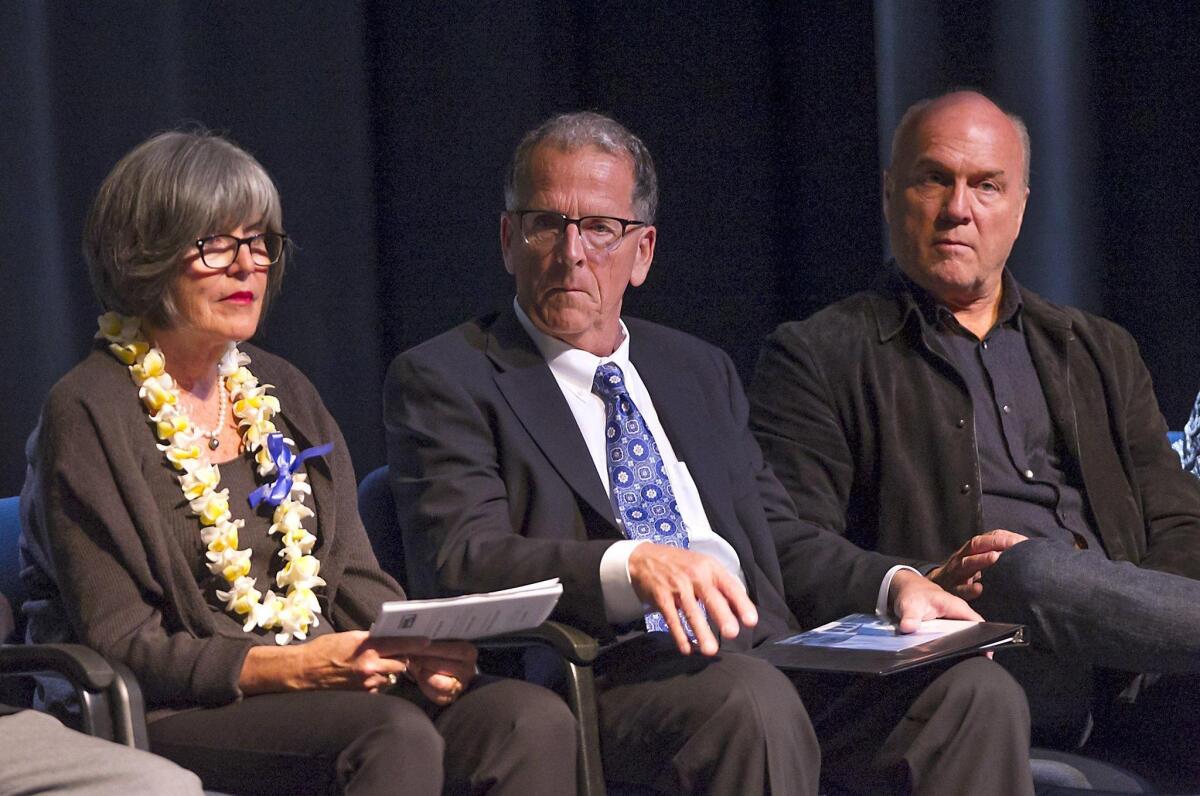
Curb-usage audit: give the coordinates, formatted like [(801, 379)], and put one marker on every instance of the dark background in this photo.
[(387, 126)]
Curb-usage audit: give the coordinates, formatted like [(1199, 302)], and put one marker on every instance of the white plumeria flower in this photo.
[(212, 506), (169, 421), (229, 564), (297, 543), (300, 572), (255, 405), (294, 622), (306, 599), (151, 365), (231, 360), (198, 480), (255, 434), (242, 597), (157, 391), (294, 615), (300, 487), (110, 324), (181, 456), (266, 465), (288, 516), (222, 536), (266, 613)]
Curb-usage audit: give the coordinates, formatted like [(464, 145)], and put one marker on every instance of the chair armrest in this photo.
[(110, 698), (82, 666), (572, 644), (579, 651)]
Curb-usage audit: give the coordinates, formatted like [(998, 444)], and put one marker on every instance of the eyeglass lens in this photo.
[(543, 230), (219, 251)]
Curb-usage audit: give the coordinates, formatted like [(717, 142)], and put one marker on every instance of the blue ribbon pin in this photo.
[(286, 463)]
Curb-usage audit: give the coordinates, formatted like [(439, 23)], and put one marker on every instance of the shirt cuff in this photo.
[(882, 610), (621, 603)]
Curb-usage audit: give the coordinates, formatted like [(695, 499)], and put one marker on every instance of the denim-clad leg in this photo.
[(1085, 611), (1086, 608)]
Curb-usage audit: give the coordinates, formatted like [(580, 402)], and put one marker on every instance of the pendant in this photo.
[(213, 443)]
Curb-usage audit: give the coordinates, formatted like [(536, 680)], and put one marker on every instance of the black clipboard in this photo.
[(982, 637)]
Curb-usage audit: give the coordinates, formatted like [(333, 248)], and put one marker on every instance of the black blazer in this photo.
[(871, 430), (495, 486)]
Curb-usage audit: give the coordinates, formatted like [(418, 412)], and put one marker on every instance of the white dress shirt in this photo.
[(574, 369)]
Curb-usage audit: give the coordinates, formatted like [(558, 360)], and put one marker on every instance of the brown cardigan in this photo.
[(100, 556)]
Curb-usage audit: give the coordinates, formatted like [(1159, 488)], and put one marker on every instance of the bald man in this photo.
[(1010, 447)]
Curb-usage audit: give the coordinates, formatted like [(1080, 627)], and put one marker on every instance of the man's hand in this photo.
[(914, 599), (672, 580), (960, 573)]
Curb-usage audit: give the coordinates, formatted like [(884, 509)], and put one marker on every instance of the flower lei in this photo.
[(293, 615)]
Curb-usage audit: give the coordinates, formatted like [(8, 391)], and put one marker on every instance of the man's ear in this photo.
[(1021, 210), (644, 256), (506, 232), (887, 196)]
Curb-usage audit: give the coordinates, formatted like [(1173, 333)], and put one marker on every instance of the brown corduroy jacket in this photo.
[(871, 430)]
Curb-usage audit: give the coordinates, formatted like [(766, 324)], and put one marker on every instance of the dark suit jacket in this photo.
[(871, 430), (495, 486)]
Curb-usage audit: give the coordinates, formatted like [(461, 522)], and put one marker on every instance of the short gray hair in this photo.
[(156, 202), (572, 131), (917, 109)]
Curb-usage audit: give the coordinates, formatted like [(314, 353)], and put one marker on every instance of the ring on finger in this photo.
[(392, 678)]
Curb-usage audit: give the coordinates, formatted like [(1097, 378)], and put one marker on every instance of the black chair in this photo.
[(110, 700), (576, 650)]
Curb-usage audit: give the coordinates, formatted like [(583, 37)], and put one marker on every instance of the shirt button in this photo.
[(1006, 409), (965, 488), (961, 422), (1028, 475)]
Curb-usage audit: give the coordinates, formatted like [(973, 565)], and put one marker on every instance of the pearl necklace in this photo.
[(291, 615), (214, 436)]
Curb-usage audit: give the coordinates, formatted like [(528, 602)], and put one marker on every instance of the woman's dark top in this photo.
[(112, 555)]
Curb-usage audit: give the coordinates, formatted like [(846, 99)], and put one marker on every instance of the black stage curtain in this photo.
[(387, 126)]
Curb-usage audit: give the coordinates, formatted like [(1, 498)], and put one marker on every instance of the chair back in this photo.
[(377, 508), (10, 565)]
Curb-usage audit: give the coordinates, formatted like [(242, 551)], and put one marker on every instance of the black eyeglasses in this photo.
[(219, 251), (543, 229)]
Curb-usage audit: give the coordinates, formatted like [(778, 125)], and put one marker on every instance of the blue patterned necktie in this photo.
[(641, 489)]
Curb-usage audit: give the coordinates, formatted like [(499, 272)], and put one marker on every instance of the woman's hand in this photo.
[(443, 670), (349, 660)]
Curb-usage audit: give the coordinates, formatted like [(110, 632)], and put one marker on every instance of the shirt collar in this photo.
[(572, 366), (936, 314)]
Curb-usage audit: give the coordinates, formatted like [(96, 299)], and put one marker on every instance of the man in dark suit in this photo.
[(556, 439), (1012, 446)]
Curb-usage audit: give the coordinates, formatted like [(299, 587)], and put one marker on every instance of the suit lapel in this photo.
[(679, 403), (528, 386)]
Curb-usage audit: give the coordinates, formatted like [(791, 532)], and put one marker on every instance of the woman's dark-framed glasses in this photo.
[(219, 251), (543, 229)]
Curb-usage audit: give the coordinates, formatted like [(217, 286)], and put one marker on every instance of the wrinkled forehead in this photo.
[(591, 169)]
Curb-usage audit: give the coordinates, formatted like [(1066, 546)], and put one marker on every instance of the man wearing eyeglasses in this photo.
[(558, 439)]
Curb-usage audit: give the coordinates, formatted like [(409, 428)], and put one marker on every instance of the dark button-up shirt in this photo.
[(1024, 485)]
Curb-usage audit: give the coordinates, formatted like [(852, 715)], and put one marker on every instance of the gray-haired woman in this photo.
[(190, 510)]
